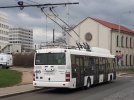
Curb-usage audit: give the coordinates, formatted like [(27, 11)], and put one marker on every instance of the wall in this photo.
[(100, 34), (124, 48)]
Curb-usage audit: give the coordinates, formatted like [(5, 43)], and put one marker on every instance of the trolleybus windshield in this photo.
[(50, 59)]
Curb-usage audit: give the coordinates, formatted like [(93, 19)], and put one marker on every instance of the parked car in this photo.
[(6, 60)]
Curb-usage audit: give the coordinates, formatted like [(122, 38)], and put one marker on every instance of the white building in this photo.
[(4, 29), (98, 33), (21, 37)]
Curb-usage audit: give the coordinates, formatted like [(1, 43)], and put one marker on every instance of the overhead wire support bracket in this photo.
[(38, 5)]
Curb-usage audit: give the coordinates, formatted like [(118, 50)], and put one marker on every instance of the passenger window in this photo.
[(81, 61), (92, 63), (77, 62), (73, 60)]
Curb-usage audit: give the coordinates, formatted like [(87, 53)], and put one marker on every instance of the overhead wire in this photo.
[(38, 5), (56, 21), (42, 9), (65, 23)]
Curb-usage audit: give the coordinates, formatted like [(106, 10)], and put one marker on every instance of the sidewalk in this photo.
[(27, 75), (23, 87), (9, 91)]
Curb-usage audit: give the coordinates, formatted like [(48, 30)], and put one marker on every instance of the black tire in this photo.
[(111, 77), (88, 84), (7, 67)]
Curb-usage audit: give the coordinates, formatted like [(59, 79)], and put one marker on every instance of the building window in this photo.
[(122, 38), (117, 40), (130, 42), (133, 42), (126, 59), (126, 42), (133, 60), (130, 60)]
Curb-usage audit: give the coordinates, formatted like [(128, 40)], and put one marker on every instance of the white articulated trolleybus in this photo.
[(73, 68)]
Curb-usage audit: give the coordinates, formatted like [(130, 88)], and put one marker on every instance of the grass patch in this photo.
[(127, 70), (9, 77)]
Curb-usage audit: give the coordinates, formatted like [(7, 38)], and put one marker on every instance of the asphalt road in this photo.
[(105, 91)]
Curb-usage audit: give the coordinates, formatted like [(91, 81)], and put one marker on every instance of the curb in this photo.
[(121, 74), (23, 84), (14, 94)]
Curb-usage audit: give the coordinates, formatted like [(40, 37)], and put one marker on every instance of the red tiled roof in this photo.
[(113, 26)]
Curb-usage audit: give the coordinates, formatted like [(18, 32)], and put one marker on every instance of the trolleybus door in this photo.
[(79, 71), (96, 72), (106, 71)]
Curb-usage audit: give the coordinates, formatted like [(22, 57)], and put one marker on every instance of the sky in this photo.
[(115, 11)]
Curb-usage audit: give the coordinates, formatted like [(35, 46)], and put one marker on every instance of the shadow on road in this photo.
[(71, 91), (60, 91)]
